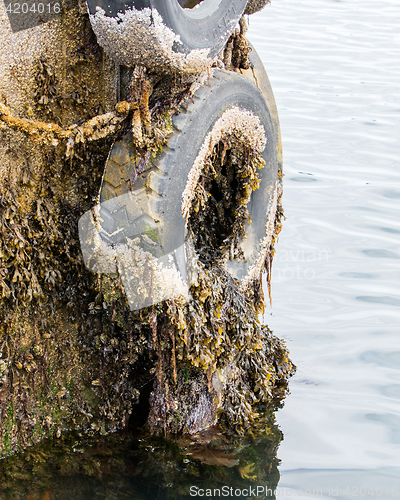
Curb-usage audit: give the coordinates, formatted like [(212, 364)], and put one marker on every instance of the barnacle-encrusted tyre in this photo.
[(214, 187), (163, 34)]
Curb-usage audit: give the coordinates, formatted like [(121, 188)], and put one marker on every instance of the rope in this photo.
[(51, 134)]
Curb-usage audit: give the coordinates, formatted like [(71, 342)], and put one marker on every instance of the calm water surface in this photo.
[(335, 70)]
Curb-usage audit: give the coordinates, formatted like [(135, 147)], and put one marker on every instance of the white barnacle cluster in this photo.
[(146, 279), (256, 269), (244, 125), (141, 37)]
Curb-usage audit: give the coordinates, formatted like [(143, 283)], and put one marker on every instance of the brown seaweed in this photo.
[(73, 357)]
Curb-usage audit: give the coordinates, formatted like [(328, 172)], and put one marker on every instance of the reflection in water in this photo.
[(133, 465)]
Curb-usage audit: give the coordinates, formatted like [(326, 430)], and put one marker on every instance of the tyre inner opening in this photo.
[(219, 212), (189, 4)]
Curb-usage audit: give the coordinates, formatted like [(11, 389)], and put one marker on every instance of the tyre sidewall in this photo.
[(207, 26), (232, 90)]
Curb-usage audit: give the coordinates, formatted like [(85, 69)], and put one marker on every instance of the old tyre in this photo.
[(151, 210), (162, 34)]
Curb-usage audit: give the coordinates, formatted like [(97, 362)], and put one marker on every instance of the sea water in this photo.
[(334, 66)]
